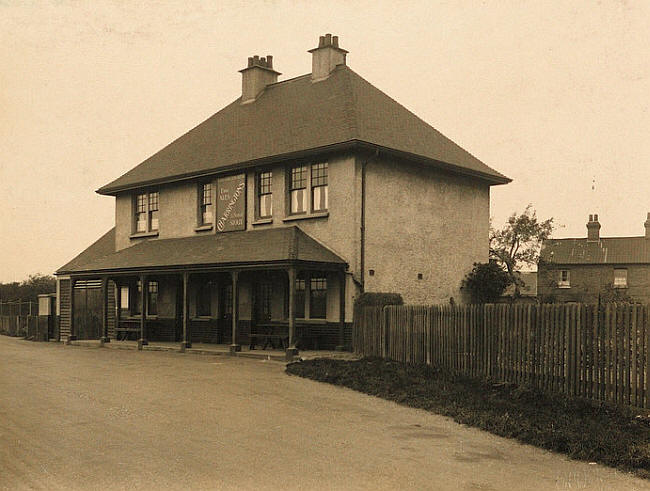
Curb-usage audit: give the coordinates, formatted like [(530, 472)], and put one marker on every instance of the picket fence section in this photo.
[(600, 353)]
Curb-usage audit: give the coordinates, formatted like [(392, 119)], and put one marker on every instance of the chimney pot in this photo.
[(647, 227), (593, 229), (257, 76), (326, 57)]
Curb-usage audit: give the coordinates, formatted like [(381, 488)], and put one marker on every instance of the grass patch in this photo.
[(580, 429)]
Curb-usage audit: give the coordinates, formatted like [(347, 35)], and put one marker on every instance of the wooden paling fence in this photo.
[(18, 318), (600, 353)]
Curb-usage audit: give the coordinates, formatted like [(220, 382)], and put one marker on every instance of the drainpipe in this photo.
[(363, 219)]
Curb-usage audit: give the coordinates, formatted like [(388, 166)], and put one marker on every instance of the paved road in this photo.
[(93, 418)]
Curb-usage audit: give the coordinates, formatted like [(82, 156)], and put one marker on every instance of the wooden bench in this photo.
[(125, 328), (268, 334)]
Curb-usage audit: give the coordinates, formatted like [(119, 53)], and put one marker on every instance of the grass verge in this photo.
[(580, 429)]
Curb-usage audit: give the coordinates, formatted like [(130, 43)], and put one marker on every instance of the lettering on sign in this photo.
[(231, 203)]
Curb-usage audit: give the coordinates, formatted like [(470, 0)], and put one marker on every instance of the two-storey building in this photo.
[(594, 268), (277, 211)]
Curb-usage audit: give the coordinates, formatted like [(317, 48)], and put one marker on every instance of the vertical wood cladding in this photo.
[(64, 320), (111, 309)]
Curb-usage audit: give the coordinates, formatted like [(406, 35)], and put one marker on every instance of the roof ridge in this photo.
[(351, 107)]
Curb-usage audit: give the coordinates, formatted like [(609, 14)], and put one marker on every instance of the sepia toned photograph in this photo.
[(296, 245)]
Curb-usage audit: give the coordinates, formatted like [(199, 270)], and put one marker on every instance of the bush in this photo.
[(378, 298), (486, 282)]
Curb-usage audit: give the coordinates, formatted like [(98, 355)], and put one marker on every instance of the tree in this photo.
[(486, 282), (518, 243), (28, 289)]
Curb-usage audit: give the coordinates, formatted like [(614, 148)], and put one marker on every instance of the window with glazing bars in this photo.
[(298, 189), (146, 212), (141, 213), (319, 188), (206, 203), (265, 194), (317, 297), (152, 298), (300, 298), (153, 210)]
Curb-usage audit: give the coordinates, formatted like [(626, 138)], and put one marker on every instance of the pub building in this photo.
[(262, 224)]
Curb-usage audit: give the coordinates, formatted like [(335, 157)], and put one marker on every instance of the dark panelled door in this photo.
[(262, 299), (88, 309)]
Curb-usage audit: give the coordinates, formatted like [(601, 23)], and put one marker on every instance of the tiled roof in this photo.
[(607, 250), (232, 248), (296, 116), (102, 247)]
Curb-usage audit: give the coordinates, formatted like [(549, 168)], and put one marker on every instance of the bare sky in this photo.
[(553, 94)]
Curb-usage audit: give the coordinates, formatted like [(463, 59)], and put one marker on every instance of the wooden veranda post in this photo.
[(143, 312), (341, 345), (292, 351), (187, 342), (105, 338), (234, 346)]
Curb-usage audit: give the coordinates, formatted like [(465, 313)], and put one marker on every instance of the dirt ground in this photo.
[(92, 418)]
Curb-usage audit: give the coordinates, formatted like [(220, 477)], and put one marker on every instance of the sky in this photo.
[(553, 94)]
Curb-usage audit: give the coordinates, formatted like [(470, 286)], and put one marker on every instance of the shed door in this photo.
[(88, 309)]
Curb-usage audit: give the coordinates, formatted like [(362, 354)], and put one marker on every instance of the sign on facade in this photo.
[(231, 203)]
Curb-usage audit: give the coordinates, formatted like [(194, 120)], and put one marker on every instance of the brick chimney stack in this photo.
[(256, 76), (326, 57), (593, 229), (647, 227)]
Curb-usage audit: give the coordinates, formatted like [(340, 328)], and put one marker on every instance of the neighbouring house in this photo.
[(595, 268), (527, 291), (275, 212)]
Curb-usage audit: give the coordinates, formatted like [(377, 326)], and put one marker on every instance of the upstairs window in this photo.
[(205, 203), (620, 278), (146, 212), (141, 213), (319, 187), (298, 189), (564, 280), (153, 210), (264, 194)]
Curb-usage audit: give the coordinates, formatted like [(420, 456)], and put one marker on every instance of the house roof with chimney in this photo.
[(597, 250), (330, 109)]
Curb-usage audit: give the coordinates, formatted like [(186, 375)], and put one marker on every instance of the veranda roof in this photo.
[(256, 247)]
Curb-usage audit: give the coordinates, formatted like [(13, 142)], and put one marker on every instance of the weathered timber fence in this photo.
[(580, 350), (18, 318)]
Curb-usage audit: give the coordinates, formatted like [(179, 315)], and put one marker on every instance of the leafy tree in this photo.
[(609, 294), (486, 282), (518, 243), (28, 289)]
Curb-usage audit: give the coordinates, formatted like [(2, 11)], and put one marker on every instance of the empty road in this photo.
[(92, 418)]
